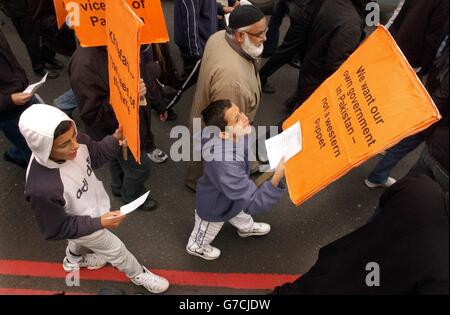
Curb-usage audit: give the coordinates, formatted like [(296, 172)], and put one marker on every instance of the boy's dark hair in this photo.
[(214, 114), (62, 128)]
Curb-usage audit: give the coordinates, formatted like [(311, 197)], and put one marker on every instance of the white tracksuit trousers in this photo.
[(205, 232), (110, 247)]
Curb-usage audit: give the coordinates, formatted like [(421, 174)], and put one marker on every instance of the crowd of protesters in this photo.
[(222, 44)]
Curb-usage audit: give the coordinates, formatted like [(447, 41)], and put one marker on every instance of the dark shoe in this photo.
[(149, 205), (295, 63), (51, 74), (54, 64), (8, 158), (267, 88)]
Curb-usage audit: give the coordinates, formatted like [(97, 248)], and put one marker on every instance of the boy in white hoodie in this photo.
[(68, 199)]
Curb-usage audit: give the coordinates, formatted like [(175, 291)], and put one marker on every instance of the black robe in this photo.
[(408, 239)]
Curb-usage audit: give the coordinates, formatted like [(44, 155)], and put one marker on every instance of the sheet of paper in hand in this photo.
[(32, 88), (128, 208), (287, 144)]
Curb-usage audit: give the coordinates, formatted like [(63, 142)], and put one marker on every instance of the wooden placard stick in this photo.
[(125, 151)]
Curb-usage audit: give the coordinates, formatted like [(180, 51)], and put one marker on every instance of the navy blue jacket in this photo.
[(225, 188), (195, 22)]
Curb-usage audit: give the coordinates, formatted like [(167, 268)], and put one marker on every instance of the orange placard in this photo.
[(60, 11), (124, 29), (89, 20), (372, 102)]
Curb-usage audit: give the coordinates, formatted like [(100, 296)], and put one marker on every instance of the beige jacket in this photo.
[(226, 74)]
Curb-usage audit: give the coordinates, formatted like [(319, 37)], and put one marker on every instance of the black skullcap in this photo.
[(245, 15)]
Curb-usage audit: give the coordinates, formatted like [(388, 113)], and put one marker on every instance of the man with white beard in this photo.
[(229, 70)]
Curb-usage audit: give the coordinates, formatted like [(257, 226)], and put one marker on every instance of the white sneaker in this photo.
[(258, 229), (209, 252), (90, 261), (150, 281), (390, 181), (158, 156)]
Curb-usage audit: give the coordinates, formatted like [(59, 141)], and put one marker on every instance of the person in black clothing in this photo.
[(408, 240), (418, 29), (88, 72), (301, 14), (13, 80), (35, 21), (336, 32), (151, 71), (434, 160), (280, 10)]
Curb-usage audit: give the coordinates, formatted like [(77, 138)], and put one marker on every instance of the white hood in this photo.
[(37, 125)]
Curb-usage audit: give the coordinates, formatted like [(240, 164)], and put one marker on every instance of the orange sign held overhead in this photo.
[(60, 11), (373, 101), (124, 29), (151, 13), (88, 18)]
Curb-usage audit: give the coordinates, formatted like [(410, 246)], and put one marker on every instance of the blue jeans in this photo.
[(66, 102), (128, 177), (273, 34), (427, 165), (380, 173)]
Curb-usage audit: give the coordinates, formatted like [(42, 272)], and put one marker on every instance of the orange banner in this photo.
[(372, 102), (60, 11), (88, 17), (123, 63)]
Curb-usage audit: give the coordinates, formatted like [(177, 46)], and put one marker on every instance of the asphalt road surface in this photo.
[(28, 264)]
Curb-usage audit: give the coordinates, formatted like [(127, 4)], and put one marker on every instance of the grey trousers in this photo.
[(108, 246)]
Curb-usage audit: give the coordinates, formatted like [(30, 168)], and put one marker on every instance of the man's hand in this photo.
[(119, 136), (20, 99), (112, 220), (163, 117), (142, 93), (228, 9), (142, 88), (279, 174)]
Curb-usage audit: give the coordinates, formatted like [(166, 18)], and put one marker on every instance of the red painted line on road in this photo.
[(18, 291), (176, 277)]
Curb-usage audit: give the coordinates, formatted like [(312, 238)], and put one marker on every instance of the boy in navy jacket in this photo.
[(225, 191)]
